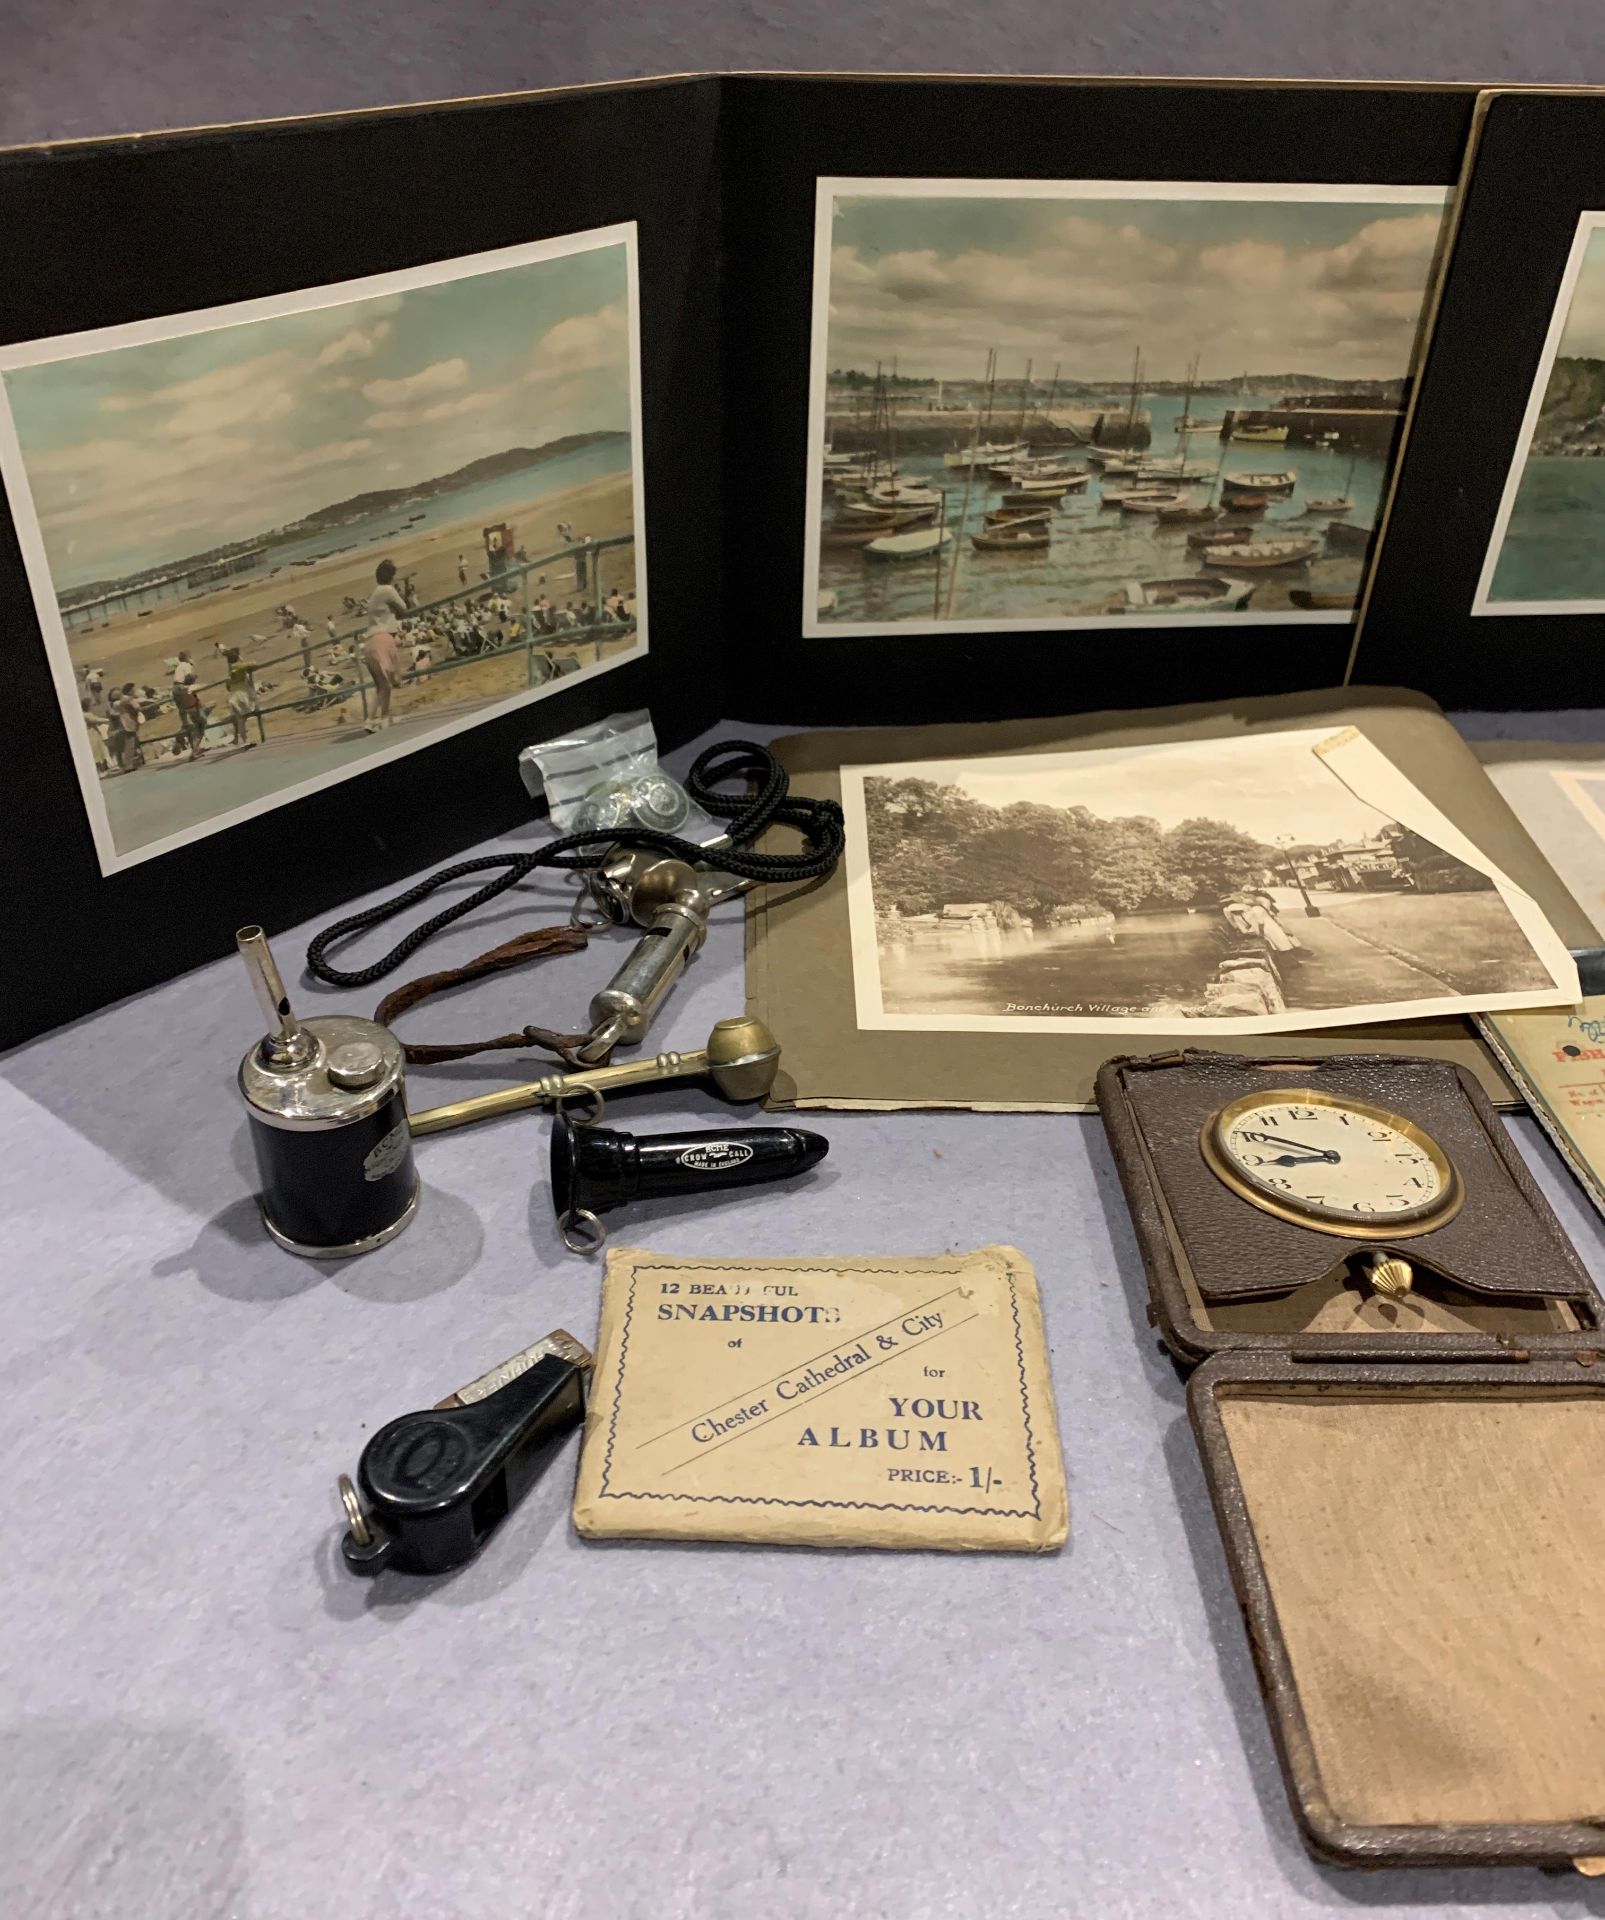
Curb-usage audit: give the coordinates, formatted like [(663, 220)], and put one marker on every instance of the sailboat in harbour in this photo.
[(1334, 506), (1183, 512), (981, 453), (1128, 457)]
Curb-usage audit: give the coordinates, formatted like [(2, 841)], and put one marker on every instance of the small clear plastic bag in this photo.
[(606, 777)]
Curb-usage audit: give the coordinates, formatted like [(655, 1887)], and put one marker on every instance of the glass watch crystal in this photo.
[(1338, 1164)]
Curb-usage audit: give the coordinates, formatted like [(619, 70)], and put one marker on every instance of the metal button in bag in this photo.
[(657, 801), (603, 810)]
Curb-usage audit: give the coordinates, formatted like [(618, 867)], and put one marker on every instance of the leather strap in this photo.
[(537, 944)]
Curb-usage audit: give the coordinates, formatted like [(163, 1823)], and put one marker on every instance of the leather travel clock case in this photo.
[(1410, 1492), (1224, 1276)]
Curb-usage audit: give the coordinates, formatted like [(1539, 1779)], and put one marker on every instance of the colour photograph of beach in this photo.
[(1041, 405), (273, 544), (1547, 554)]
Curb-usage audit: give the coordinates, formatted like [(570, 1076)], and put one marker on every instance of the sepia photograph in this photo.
[(1254, 884), (273, 544), (1547, 554), (1062, 405)]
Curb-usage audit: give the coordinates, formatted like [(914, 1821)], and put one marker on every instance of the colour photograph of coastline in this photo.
[(1547, 554), (1260, 883), (1041, 405), (272, 544)]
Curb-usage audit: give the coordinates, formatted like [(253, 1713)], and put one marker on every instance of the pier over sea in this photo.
[(950, 429), (1351, 422), (1355, 423)]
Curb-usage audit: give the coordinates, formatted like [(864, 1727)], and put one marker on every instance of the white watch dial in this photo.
[(1341, 1162)]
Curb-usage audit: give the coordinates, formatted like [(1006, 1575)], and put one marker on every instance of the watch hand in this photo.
[(1329, 1154), (1302, 1159)]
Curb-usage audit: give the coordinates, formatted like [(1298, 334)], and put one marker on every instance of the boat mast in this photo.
[(1025, 392), (958, 532), (1131, 414), (1186, 408), (941, 528), (991, 382), (1220, 469)]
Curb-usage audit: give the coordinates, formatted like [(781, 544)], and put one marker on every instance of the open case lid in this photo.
[(1515, 1288), (1419, 1554)]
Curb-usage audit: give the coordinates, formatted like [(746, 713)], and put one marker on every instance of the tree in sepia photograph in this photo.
[(1028, 908)]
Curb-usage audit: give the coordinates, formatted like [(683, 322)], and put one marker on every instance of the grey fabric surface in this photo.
[(75, 67), (205, 1715)]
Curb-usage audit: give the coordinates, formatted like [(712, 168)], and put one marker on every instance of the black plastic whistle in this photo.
[(435, 1484), (595, 1169)]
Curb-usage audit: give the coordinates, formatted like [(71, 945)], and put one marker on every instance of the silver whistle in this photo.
[(670, 900)]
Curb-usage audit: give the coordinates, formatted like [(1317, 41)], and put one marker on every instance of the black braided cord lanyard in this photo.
[(766, 802)]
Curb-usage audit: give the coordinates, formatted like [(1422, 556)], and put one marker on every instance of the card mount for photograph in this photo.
[(262, 448), (725, 242), (1435, 615), (801, 950), (153, 260), (785, 133)]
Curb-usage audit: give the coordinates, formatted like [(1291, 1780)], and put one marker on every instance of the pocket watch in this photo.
[(1327, 1160)]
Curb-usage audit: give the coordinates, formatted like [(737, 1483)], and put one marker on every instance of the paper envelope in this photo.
[(857, 1402)]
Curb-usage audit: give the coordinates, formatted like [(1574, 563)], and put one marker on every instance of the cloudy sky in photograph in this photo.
[(1261, 286), (1274, 786), (143, 455), (1583, 337)]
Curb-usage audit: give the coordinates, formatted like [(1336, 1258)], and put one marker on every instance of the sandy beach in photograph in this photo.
[(166, 797), (136, 647)]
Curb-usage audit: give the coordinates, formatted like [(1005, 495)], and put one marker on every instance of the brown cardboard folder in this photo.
[(799, 957)]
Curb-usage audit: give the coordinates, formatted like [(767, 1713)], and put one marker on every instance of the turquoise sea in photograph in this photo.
[(1095, 551), (1554, 546), (1554, 542)]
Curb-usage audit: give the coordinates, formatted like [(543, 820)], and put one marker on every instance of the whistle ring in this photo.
[(565, 1103), (591, 1240), (587, 912), (356, 1519)]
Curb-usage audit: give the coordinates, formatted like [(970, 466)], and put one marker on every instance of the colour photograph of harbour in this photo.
[(1063, 405), (269, 551), (1230, 884), (1547, 554)]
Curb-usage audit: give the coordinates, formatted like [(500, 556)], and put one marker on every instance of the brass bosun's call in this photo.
[(741, 1059)]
